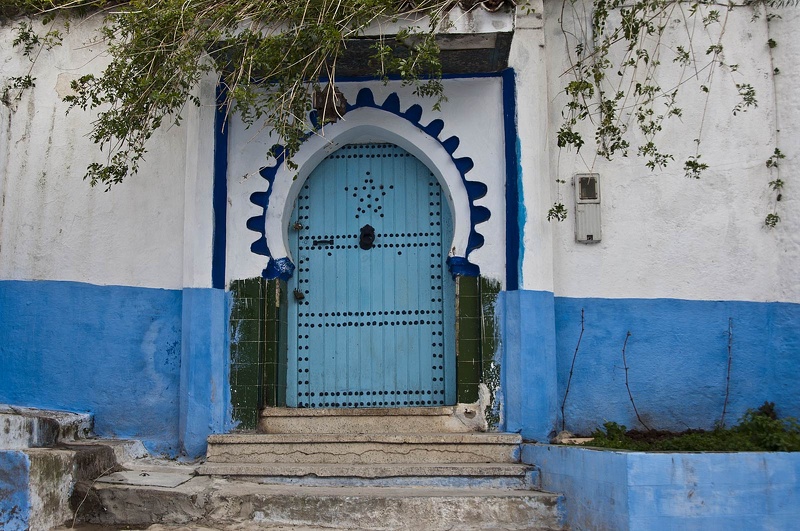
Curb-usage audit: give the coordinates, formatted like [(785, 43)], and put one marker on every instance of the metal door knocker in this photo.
[(367, 238)]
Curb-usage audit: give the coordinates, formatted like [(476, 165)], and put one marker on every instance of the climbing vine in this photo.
[(31, 45), (776, 185), (616, 86)]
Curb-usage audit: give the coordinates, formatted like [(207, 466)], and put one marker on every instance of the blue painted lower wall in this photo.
[(619, 491), (125, 354), (528, 366), (205, 400), (14, 497), (677, 358), (152, 364), (594, 484)]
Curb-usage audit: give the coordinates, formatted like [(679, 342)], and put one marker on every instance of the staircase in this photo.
[(43, 455), (381, 469), (426, 469)]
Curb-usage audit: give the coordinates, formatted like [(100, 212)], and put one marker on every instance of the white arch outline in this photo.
[(379, 125)]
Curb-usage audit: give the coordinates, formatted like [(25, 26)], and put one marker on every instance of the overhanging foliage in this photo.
[(160, 49)]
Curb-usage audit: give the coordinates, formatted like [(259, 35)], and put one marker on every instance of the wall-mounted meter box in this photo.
[(587, 207)]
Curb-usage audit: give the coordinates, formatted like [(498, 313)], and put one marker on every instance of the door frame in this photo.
[(379, 123)]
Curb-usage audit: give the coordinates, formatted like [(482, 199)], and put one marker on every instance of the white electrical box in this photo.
[(587, 207)]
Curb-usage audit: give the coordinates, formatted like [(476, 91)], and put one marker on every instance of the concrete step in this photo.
[(498, 475), (39, 465), (218, 503), (364, 448), (36, 483), (25, 427), (451, 419)]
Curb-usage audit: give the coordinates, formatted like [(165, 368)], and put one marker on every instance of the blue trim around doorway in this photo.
[(513, 222), (220, 194)]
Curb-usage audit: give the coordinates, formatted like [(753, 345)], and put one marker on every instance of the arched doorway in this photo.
[(371, 319)]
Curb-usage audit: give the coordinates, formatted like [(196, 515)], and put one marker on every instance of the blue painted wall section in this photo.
[(204, 372), (111, 350), (528, 366), (594, 484), (150, 364), (677, 358), (14, 498), (736, 491), (608, 490)]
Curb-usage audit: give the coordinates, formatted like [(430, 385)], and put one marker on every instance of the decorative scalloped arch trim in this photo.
[(387, 122)]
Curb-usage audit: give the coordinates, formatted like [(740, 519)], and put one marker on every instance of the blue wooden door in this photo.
[(371, 327)]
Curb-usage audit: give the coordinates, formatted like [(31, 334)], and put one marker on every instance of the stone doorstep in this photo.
[(218, 526), (460, 418), (358, 412), (215, 502), (389, 438), (125, 450), (50, 479), (362, 454), (144, 478), (343, 424), (53, 472)]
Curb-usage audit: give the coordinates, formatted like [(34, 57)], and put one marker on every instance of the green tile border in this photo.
[(490, 373), (468, 334), (259, 353), (274, 373), (254, 353)]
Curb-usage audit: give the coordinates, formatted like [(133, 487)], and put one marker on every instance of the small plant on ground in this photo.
[(759, 430)]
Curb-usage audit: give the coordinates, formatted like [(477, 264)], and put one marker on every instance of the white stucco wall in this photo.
[(54, 225), (472, 112), (787, 103), (665, 235)]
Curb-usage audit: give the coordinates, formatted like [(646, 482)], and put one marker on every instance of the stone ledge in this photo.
[(26, 427)]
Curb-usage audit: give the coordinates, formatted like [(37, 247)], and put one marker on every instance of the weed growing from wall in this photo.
[(776, 185), (571, 371), (627, 383)]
